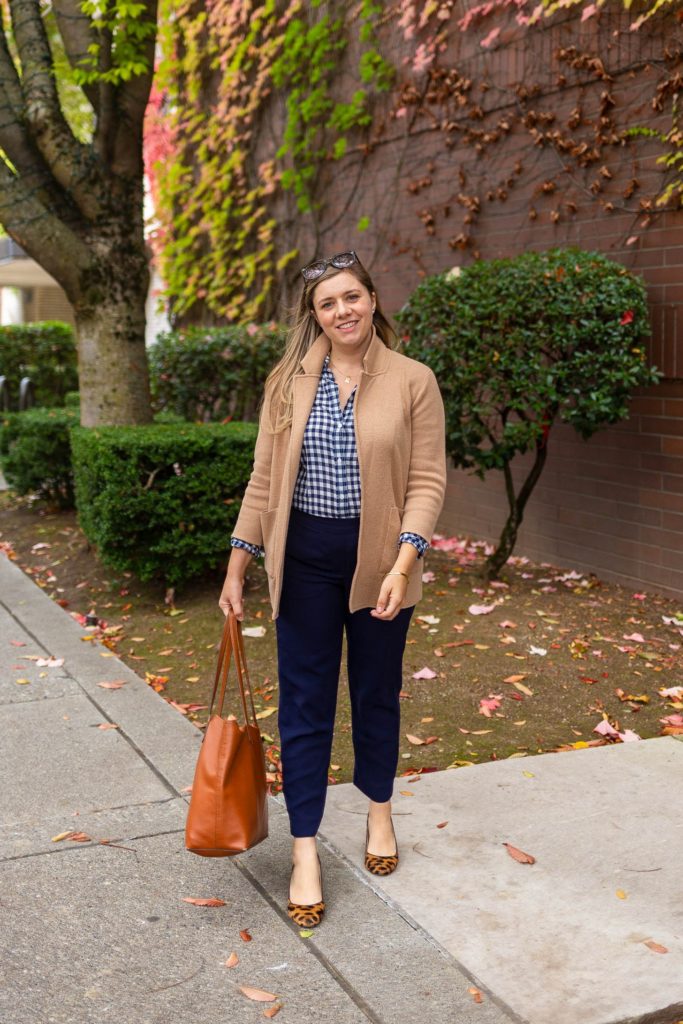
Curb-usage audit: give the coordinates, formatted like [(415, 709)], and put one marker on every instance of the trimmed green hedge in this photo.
[(35, 453), (160, 501), (214, 373), (45, 352)]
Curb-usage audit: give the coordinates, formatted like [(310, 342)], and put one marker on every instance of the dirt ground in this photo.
[(529, 665)]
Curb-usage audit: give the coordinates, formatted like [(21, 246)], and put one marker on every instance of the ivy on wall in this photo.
[(266, 99), (250, 58)]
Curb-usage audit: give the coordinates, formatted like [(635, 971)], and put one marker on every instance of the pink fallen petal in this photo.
[(487, 705), (424, 673), (626, 650), (628, 735), (428, 577), (672, 691), (482, 609), (605, 729), (638, 637), (672, 720)]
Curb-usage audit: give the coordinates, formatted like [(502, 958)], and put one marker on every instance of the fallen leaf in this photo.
[(244, 935), (305, 933), (442, 824), (415, 740), (475, 993), (232, 960), (272, 1010), (638, 637), (523, 689), (107, 725), (425, 673), (22, 681), (482, 609), (621, 894), (529, 775), (254, 631), (256, 993), (519, 855), (481, 732), (266, 713), (115, 684), (655, 946), (516, 678), (540, 651), (605, 729), (489, 704), (49, 662), (17, 643), (406, 792), (431, 620), (200, 901)]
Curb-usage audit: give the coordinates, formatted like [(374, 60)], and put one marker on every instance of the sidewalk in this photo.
[(98, 931)]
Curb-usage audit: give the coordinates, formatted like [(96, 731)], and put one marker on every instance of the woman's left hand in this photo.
[(390, 599)]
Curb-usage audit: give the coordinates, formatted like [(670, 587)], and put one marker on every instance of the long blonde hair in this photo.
[(303, 330)]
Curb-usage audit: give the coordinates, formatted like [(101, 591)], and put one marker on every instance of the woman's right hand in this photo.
[(231, 596)]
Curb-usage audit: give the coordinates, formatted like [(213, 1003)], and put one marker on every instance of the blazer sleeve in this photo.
[(426, 487), (257, 491)]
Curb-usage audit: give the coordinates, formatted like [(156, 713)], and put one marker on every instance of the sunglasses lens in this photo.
[(313, 270), (344, 259)]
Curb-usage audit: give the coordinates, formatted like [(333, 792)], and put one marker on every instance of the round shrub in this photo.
[(214, 373)]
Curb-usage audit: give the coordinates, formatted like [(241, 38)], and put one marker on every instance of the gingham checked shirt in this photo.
[(328, 481)]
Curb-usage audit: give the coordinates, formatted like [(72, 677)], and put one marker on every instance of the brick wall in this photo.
[(613, 505)]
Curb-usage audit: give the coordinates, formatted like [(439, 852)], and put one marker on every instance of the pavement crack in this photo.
[(324, 961)]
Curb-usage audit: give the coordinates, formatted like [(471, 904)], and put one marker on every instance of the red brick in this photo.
[(672, 445), (662, 425)]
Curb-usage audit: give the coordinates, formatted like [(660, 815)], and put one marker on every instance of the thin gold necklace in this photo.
[(347, 378)]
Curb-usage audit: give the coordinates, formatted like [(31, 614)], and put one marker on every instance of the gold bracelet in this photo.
[(398, 573)]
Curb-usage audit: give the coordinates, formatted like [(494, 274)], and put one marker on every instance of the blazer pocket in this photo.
[(391, 535), (268, 533)]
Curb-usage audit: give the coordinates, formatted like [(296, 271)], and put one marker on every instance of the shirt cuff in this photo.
[(415, 539), (253, 549)]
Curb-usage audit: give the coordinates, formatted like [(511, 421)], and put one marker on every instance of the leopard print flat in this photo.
[(376, 864), (307, 915)]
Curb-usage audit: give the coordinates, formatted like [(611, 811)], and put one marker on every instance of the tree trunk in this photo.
[(112, 359), (517, 503), (76, 207)]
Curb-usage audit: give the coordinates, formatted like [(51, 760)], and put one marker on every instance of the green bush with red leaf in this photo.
[(160, 501), (520, 343), (214, 373)]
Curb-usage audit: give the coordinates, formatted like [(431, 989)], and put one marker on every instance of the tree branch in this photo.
[(72, 163), (41, 234), (77, 34), (16, 142), (132, 99)]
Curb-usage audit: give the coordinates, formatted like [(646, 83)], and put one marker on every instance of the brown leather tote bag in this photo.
[(228, 810)]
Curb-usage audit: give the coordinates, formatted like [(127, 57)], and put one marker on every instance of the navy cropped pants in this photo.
[(320, 559)]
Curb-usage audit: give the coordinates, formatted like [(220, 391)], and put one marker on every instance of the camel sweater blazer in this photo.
[(400, 440)]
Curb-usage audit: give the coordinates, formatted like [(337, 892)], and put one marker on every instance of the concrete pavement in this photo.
[(99, 931)]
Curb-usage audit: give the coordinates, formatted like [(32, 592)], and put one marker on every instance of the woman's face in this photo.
[(343, 307)]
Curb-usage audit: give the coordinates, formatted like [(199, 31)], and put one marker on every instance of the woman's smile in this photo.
[(347, 327)]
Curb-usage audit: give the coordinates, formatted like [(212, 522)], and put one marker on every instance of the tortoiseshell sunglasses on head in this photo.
[(318, 267)]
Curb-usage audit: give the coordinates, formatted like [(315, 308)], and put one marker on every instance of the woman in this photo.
[(348, 481)]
